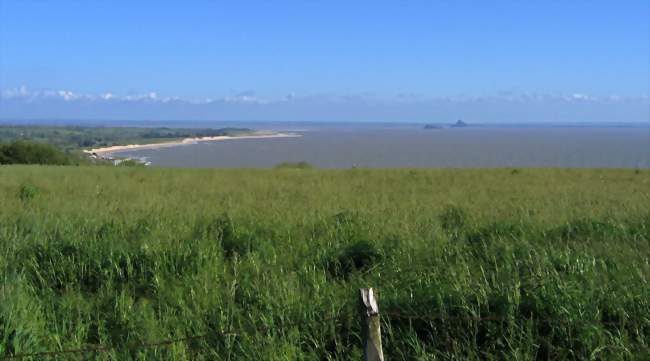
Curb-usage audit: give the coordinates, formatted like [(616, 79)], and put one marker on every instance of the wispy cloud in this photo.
[(23, 93), (505, 106), (251, 97)]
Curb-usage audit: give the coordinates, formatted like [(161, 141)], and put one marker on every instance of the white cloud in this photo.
[(508, 106), (579, 96), (67, 95), (245, 99), (249, 97), (15, 92)]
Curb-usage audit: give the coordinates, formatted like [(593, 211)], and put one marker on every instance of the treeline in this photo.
[(155, 133), (76, 137), (25, 152)]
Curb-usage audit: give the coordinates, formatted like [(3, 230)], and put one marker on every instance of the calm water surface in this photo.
[(395, 146)]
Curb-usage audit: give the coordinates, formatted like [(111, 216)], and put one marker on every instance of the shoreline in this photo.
[(186, 141)]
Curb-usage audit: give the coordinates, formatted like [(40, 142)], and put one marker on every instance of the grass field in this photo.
[(500, 264)]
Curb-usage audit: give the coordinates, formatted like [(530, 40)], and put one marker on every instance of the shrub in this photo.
[(27, 192), (24, 152)]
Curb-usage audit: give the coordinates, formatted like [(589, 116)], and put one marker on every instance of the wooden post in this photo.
[(371, 330)]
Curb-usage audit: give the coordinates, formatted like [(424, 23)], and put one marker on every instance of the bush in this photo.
[(27, 192), (24, 152)]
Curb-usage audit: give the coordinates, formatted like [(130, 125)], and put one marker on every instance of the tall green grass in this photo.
[(469, 264)]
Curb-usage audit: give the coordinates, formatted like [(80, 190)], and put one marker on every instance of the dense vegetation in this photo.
[(493, 264), (75, 137), (24, 152)]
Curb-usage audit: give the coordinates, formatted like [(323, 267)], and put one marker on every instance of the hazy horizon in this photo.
[(277, 124)]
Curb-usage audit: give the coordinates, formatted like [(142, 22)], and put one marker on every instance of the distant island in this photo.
[(459, 124)]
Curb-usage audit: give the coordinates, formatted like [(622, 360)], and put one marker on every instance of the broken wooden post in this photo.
[(371, 330)]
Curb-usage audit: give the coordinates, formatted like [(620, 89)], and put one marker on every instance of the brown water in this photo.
[(412, 146)]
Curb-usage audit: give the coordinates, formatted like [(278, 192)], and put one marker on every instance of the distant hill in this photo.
[(460, 124)]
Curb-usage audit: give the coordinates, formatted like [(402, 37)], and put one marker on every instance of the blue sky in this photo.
[(339, 57)]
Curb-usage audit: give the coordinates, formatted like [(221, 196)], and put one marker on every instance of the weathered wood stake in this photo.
[(371, 330)]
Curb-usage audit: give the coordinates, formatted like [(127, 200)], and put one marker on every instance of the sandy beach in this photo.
[(186, 141)]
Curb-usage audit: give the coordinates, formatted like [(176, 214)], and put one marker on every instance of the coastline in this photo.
[(186, 141)]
